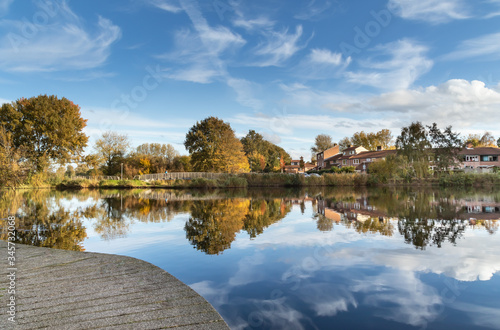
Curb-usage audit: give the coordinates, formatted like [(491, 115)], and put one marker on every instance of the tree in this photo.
[(48, 128), (112, 148), (322, 142), (478, 140), (372, 141), (262, 154), (301, 162), (345, 143), (446, 144), (498, 142), (13, 169), (413, 143), (214, 147), (160, 156)]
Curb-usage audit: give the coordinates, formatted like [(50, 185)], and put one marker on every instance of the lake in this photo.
[(317, 258)]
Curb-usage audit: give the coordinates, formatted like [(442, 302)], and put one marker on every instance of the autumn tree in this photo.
[(322, 142), (345, 143), (498, 142), (112, 148), (13, 169), (301, 162), (478, 140), (214, 147), (48, 128), (370, 141), (262, 154)]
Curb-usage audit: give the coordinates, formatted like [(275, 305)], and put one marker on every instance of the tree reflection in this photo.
[(213, 225)]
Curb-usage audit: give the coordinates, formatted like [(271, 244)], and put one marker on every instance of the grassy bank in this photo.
[(282, 180)]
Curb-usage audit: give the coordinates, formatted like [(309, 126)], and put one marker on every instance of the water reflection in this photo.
[(422, 217), (295, 259)]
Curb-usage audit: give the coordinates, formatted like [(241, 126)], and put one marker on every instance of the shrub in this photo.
[(235, 182), (203, 183)]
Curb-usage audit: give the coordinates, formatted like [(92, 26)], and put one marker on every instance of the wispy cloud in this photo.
[(431, 11), (260, 23), (321, 64), (278, 48), (66, 44), (318, 9), (486, 47), (167, 5), (407, 62)]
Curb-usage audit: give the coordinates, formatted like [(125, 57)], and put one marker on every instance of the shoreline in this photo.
[(71, 289)]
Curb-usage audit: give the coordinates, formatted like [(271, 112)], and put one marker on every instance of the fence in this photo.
[(100, 177), (178, 176)]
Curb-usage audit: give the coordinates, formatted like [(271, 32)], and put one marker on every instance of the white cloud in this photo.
[(254, 24), (486, 47), (432, 11), (278, 48), (245, 93), (64, 44), (167, 5), (321, 64), (407, 62), (314, 9)]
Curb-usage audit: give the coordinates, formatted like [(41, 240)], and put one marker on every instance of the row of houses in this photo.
[(471, 159)]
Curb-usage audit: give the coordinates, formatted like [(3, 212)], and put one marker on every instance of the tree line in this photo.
[(41, 135)]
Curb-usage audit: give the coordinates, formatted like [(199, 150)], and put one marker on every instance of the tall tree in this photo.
[(413, 143), (498, 142), (262, 154), (322, 142), (214, 147), (345, 143), (301, 162), (446, 144), (372, 141), (13, 169), (49, 128), (112, 148)]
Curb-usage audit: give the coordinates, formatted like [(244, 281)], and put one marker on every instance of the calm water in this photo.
[(310, 259)]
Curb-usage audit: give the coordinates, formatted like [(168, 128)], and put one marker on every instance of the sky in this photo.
[(289, 70)]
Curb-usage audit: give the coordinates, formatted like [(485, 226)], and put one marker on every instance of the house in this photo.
[(321, 156), (479, 159), (347, 155), (294, 167), (363, 160)]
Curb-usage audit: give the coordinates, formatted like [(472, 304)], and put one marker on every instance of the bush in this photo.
[(203, 183), (235, 182)]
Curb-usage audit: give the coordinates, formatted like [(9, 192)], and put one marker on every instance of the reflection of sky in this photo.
[(295, 277)]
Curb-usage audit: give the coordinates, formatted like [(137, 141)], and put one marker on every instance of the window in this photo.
[(471, 158), (356, 161), (368, 160), (489, 158), (344, 162)]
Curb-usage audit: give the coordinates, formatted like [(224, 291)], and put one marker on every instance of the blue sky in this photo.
[(287, 69)]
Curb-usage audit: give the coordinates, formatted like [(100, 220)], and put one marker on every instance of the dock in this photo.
[(59, 289)]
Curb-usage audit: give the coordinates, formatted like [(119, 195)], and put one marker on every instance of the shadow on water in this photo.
[(423, 217)]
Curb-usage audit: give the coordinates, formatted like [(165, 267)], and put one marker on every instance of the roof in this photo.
[(351, 148), (480, 151), (374, 154), (335, 157)]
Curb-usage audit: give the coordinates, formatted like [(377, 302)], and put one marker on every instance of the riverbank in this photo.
[(289, 180), (60, 289)]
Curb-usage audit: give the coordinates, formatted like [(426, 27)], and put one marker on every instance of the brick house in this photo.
[(294, 167), (479, 158), (347, 155), (362, 160), (320, 157)]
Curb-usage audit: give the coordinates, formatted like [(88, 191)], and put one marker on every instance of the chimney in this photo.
[(379, 148)]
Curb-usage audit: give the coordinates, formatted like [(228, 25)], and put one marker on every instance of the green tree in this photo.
[(498, 142), (48, 128), (446, 144), (371, 141), (301, 162), (161, 156), (322, 142), (413, 143), (112, 148), (345, 143), (214, 147)]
